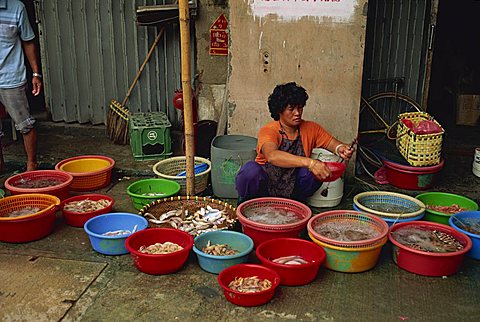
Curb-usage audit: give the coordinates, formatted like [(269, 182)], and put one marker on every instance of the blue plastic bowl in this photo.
[(215, 264), (112, 245), (475, 251), (392, 220)]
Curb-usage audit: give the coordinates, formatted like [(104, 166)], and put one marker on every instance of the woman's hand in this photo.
[(319, 169), (344, 151)]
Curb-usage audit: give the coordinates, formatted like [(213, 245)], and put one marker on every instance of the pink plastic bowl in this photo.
[(162, 263), (260, 232), (292, 274), (77, 219), (337, 169), (426, 263), (247, 270)]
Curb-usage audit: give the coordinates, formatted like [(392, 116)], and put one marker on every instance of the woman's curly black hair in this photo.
[(284, 95)]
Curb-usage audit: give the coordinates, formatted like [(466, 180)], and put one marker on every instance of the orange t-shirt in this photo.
[(313, 136)]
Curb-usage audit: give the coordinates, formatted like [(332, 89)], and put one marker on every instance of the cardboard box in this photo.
[(468, 109)]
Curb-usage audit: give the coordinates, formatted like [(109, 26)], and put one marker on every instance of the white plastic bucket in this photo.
[(476, 162), (335, 188)]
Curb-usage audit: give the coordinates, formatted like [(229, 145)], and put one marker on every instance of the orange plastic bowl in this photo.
[(31, 227), (60, 190), (78, 219), (90, 172)]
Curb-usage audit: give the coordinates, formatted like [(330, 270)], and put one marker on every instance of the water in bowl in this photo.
[(432, 241), (37, 183), (272, 216), (390, 207), (472, 225), (346, 230)]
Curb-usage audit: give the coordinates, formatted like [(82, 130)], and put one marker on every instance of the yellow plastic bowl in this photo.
[(86, 165), (89, 172), (350, 260)]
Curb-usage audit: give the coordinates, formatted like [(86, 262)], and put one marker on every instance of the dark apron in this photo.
[(281, 181)]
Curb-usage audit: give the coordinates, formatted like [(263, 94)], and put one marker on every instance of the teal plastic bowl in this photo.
[(143, 192), (444, 199), (215, 264)]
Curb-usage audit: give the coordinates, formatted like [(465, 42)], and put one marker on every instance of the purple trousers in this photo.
[(252, 182)]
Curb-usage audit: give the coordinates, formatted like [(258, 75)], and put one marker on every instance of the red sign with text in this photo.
[(219, 36)]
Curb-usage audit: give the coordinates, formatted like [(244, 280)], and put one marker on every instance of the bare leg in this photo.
[(2, 162), (30, 142)]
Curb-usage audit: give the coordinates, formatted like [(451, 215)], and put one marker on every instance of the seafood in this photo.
[(86, 205), (153, 194), (290, 260), (251, 284), (219, 249), (203, 220), (37, 183), (453, 209), (119, 232), (432, 241), (272, 216), (22, 212), (346, 230), (159, 248)]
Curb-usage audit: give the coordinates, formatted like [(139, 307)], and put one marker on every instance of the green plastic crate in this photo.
[(150, 137)]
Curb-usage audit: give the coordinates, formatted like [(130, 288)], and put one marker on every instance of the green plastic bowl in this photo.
[(143, 192), (444, 199)]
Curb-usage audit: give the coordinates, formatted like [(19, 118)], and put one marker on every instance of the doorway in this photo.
[(454, 94)]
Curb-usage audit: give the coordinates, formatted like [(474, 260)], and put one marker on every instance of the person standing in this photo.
[(17, 39)]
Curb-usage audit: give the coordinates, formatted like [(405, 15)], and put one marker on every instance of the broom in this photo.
[(117, 116)]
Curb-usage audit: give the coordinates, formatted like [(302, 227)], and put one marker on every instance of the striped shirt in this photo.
[(14, 28)]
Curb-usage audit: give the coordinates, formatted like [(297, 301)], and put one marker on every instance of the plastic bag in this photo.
[(427, 127)]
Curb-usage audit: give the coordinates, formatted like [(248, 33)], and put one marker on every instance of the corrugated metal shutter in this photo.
[(396, 44), (91, 52)]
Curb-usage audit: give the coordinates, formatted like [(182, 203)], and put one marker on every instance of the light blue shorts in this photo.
[(16, 105)]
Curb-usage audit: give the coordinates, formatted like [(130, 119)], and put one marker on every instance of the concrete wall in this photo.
[(322, 53), (212, 70)]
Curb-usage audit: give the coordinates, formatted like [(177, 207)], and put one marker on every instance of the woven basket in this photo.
[(190, 203), (46, 203), (84, 177), (302, 211), (388, 204), (169, 168), (60, 190), (346, 216), (418, 149)]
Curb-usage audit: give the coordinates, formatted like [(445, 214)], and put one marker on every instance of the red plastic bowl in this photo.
[(411, 178), (260, 232), (60, 190), (292, 274), (77, 219), (162, 263), (28, 229), (248, 270), (425, 263), (337, 169)]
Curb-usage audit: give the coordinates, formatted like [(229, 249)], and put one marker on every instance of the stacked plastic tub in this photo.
[(357, 253)]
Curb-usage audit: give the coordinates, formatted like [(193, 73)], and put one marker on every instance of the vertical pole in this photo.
[(184, 16)]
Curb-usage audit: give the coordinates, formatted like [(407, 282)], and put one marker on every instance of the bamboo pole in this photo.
[(184, 16)]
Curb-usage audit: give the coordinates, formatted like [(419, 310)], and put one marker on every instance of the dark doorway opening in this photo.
[(454, 96)]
